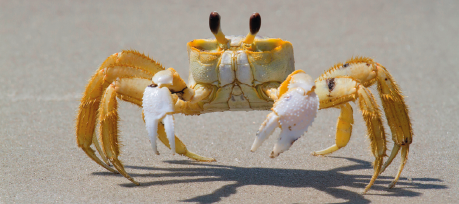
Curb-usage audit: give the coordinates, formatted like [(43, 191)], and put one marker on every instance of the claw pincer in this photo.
[(158, 107), (293, 112)]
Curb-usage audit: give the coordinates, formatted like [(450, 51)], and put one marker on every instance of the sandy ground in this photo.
[(50, 49)]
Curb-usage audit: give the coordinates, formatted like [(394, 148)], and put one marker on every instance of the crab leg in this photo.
[(129, 89), (404, 155), (88, 110), (397, 117), (372, 116), (109, 129), (134, 69), (336, 91), (343, 130), (118, 65), (99, 149), (293, 112), (87, 116), (180, 148)]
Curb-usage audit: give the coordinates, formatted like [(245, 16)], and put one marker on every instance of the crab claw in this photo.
[(158, 107), (293, 112)]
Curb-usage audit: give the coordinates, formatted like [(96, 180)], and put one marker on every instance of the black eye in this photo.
[(214, 22), (255, 23)]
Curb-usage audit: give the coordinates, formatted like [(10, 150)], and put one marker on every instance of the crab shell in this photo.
[(238, 72)]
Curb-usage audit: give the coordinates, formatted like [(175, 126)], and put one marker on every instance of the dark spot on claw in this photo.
[(290, 128), (346, 65), (153, 85), (331, 84), (385, 79)]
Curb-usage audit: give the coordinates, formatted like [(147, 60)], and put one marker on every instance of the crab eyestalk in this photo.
[(255, 24), (214, 24)]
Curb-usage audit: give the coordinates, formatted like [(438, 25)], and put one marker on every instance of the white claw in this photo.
[(163, 77), (157, 106), (169, 127), (297, 111), (293, 112), (266, 129), (152, 127)]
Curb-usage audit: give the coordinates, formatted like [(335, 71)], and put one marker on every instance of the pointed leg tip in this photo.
[(204, 159), (111, 170), (198, 158), (273, 155), (364, 191), (392, 184), (318, 154)]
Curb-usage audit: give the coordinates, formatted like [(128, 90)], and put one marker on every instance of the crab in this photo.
[(239, 73)]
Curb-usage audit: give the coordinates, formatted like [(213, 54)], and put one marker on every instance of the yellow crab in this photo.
[(233, 73)]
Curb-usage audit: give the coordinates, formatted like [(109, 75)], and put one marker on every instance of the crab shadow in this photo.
[(328, 181)]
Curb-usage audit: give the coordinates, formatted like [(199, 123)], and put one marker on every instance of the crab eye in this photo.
[(214, 24), (255, 23)]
